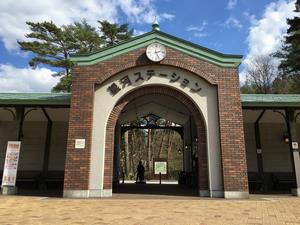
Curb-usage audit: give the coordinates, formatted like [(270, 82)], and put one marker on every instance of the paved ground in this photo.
[(154, 210)]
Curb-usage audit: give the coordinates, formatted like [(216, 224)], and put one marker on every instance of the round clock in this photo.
[(156, 52)]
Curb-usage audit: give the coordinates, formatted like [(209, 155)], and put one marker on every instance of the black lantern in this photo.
[(286, 138)]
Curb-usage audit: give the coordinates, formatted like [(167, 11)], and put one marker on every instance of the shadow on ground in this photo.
[(155, 189), (58, 193), (138, 189)]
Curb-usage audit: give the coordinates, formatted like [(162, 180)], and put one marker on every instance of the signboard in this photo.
[(160, 167), (141, 76), (11, 163), (295, 145), (80, 143)]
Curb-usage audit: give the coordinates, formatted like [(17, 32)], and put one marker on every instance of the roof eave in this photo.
[(196, 51)]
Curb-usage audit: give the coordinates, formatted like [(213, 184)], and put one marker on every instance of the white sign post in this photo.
[(10, 167)]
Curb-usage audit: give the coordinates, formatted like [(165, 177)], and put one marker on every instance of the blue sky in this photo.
[(247, 27)]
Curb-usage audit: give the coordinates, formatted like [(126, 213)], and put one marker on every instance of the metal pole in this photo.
[(47, 142), (21, 117), (259, 150)]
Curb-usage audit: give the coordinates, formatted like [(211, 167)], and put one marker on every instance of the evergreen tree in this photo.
[(83, 37), (290, 52), (52, 45), (114, 33)]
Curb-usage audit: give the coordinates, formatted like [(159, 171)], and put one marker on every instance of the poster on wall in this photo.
[(160, 167), (11, 163)]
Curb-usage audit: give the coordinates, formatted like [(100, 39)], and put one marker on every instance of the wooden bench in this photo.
[(54, 179), (28, 178), (35, 179), (283, 180), (25, 178), (255, 182)]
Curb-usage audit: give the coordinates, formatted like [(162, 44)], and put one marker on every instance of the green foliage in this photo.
[(83, 38), (114, 33), (64, 84), (290, 54), (52, 45)]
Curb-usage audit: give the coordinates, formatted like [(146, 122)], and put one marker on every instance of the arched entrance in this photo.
[(196, 95), (175, 98), (102, 79)]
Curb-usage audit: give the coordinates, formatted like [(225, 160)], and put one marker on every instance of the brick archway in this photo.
[(160, 90), (226, 80)]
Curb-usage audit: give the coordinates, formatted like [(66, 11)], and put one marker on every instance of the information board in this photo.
[(11, 163), (160, 167)]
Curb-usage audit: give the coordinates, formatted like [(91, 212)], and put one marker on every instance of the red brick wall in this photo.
[(230, 113)]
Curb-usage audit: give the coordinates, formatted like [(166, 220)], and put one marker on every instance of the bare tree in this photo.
[(149, 152), (145, 145), (126, 155), (260, 74)]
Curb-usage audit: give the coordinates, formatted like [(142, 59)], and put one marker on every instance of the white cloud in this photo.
[(140, 11), (195, 28), (250, 17), (167, 16), (242, 76), (232, 22), (231, 4), (14, 79), (198, 31), (138, 32), (267, 33), (14, 14)]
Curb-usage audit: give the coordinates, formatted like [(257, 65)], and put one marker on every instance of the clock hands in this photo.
[(156, 52)]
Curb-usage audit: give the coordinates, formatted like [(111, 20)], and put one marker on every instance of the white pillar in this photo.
[(290, 114)]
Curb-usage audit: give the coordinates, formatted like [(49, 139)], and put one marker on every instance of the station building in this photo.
[(233, 143)]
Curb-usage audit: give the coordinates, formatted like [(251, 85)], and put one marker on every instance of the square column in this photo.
[(291, 124)]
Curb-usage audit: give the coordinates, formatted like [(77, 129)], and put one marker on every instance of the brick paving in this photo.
[(135, 209)]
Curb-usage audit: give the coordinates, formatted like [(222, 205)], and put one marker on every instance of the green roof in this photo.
[(57, 99), (64, 99), (270, 100), (189, 48)]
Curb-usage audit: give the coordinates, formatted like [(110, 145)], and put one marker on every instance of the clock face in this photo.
[(156, 52)]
